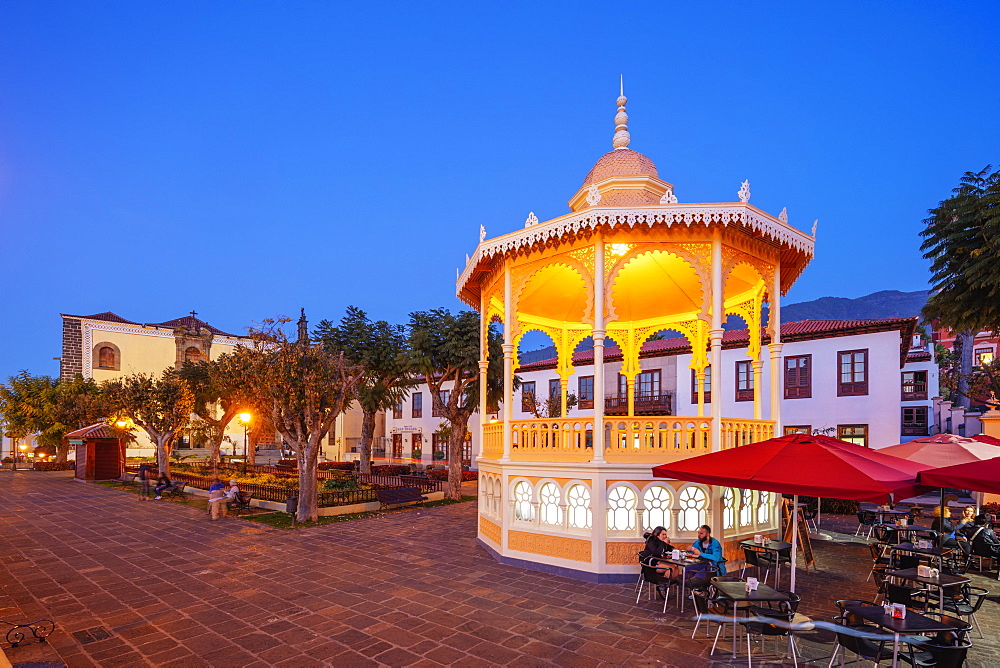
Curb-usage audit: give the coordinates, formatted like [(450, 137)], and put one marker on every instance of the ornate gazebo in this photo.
[(628, 261)]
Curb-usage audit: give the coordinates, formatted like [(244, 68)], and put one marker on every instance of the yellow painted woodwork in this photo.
[(489, 530), (622, 553)]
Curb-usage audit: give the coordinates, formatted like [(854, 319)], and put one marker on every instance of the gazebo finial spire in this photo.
[(622, 137)]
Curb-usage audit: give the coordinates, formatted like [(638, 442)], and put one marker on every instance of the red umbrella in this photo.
[(981, 476), (943, 450), (806, 465), (983, 438), (803, 464)]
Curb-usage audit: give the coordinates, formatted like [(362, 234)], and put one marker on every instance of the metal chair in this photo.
[(852, 619), (765, 629), (878, 558), (863, 648), (939, 656), (967, 604), (652, 578), (866, 520), (704, 604), (756, 559), (908, 596)]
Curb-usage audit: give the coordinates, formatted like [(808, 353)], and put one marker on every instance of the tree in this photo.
[(445, 351), (381, 349), (161, 406), (220, 393), (961, 240), (550, 407), (50, 408), (302, 387)]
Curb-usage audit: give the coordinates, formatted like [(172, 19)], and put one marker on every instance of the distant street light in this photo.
[(245, 419)]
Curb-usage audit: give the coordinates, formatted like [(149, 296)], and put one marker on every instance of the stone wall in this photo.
[(72, 348)]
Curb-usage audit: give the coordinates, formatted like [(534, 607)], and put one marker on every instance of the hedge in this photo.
[(443, 475), (53, 466)]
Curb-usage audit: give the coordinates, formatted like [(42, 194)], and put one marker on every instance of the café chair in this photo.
[(915, 599), (852, 619), (939, 656), (758, 560), (967, 604), (705, 604), (653, 578), (959, 630), (866, 520), (863, 648), (880, 583), (878, 558), (764, 629)]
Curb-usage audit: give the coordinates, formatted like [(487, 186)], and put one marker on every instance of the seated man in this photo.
[(709, 548), (987, 537)]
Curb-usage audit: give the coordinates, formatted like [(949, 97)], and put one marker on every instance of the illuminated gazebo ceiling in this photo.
[(656, 284)]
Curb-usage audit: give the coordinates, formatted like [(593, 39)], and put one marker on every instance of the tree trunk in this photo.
[(367, 436), (162, 453), (966, 342), (218, 433), (307, 455), (62, 450), (456, 441)]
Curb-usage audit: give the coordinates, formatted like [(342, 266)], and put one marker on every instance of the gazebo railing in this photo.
[(552, 439), (656, 439), (737, 432)]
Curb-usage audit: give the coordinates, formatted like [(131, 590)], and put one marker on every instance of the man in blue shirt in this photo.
[(709, 548)]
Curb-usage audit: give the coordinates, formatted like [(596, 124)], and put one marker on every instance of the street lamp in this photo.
[(245, 419), (24, 457)]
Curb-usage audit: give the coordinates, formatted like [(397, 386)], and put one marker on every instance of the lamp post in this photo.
[(22, 448), (245, 419)]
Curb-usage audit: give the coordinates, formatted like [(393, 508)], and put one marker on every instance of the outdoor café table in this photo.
[(737, 593), (942, 582), (913, 624), (771, 546), (685, 562), (909, 529), (895, 514), (935, 552)]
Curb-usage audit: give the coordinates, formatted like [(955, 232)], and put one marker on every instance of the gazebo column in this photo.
[(484, 357), (598, 333), (508, 363), (758, 375), (775, 349), (715, 336)]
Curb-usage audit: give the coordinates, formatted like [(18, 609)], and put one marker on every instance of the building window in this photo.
[(798, 429), (192, 356), (585, 390), (983, 356), (549, 508), (439, 447), (853, 373), (578, 502), (798, 377), (417, 405), (397, 410), (524, 509), (621, 508), (853, 433), (527, 390), (708, 386), (914, 386), (746, 508), (694, 508), (744, 380), (555, 388), (657, 502), (763, 507), (445, 397), (915, 421), (647, 384), (106, 357), (728, 514)]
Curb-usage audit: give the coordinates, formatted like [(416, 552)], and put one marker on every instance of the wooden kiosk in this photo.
[(100, 452)]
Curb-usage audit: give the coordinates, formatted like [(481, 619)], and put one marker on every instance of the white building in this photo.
[(866, 381)]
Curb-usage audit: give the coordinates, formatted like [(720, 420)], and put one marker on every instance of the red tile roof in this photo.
[(107, 316), (190, 322), (800, 330), (99, 430)]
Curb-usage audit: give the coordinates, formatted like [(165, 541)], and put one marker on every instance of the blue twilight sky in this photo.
[(247, 158)]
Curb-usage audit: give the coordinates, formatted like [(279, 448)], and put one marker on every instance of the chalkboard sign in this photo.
[(805, 542)]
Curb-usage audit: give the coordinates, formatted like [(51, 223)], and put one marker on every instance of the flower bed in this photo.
[(443, 475)]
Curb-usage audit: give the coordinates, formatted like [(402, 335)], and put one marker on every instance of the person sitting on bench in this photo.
[(162, 485)]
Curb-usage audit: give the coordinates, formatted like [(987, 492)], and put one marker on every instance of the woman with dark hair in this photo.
[(658, 547), (161, 485)]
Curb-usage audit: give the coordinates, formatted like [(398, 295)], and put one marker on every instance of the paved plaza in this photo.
[(135, 584)]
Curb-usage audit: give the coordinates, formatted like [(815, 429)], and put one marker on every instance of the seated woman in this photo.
[(968, 518), (658, 546), (162, 485), (710, 549)]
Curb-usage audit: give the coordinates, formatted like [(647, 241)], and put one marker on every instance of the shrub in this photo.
[(832, 506), (8, 460), (443, 475), (391, 469), (288, 462), (53, 466), (335, 466), (992, 507), (341, 484)]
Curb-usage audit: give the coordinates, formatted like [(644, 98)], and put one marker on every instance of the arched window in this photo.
[(763, 507), (106, 357), (192, 355), (621, 508), (746, 508), (550, 510), (497, 493), (728, 502), (580, 515), (523, 508), (693, 503), (657, 504)]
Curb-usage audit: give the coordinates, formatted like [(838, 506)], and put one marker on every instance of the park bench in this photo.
[(394, 497), (176, 490), (241, 502), (125, 479)]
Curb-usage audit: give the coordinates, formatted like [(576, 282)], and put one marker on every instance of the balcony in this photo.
[(638, 440), (645, 404), (914, 391)]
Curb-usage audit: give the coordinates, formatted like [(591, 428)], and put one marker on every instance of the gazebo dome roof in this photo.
[(620, 162)]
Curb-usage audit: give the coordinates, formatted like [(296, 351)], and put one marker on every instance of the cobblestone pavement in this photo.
[(134, 584)]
